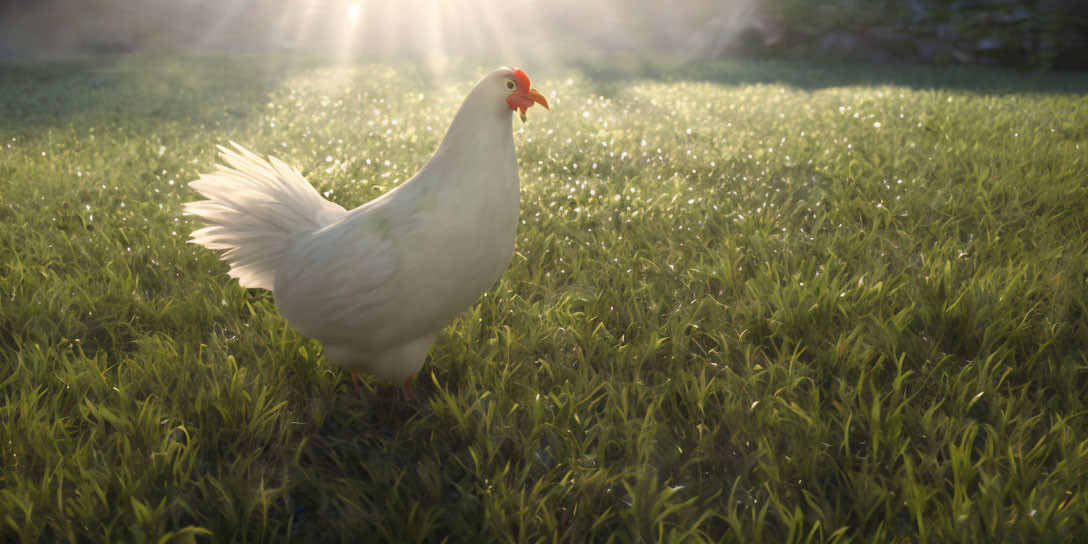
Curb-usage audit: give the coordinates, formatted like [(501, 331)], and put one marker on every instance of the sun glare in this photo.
[(432, 30), (435, 31)]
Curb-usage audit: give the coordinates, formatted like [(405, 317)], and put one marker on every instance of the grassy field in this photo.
[(750, 302)]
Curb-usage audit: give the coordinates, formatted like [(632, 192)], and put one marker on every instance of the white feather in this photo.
[(254, 208)]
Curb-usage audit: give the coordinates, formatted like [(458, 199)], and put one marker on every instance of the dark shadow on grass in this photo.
[(610, 71), (131, 90)]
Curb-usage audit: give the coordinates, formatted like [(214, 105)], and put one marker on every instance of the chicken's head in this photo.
[(520, 96)]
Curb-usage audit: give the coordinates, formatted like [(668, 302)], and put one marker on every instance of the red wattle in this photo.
[(519, 102)]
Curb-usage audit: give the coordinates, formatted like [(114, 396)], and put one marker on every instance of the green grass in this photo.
[(740, 311)]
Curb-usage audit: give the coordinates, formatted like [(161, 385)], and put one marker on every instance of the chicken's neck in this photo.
[(478, 136)]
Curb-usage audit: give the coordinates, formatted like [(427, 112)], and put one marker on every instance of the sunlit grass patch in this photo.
[(749, 302)]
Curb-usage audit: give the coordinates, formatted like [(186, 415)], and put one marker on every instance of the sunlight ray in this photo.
[(226, 17), (434, 50), (353, 14), (304, 15)]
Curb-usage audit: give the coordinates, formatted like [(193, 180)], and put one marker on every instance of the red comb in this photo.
[(523, 80)]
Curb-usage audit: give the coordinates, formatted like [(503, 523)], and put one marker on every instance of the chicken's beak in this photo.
[(522, 101), (538, 98)]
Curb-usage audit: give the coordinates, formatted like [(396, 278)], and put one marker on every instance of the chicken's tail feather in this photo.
[(253, 208)]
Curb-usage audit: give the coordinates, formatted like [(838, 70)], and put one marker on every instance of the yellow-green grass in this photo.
[(750, 302)]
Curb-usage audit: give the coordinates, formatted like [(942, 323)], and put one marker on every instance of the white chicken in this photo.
[(376, 284)]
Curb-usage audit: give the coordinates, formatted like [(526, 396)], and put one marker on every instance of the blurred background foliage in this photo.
[(1033, 34), (1025, 33)]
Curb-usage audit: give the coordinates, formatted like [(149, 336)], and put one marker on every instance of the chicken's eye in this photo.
[(510, 85)]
